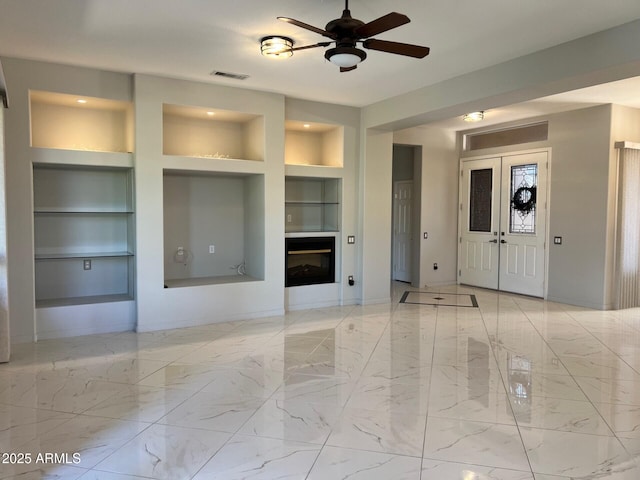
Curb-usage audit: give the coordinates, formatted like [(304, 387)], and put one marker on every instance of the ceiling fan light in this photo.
[(473, 116), (276, 47), (345, 57)]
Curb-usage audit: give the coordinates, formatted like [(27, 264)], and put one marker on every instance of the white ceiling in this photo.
[(190, 38)]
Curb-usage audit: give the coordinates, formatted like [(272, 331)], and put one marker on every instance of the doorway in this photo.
[(502, 230), (405, 245), (402, 228)]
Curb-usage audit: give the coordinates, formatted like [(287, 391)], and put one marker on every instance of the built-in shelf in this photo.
[(312, 204), (314, 144), (202, 132), (61, 256), (214, 225), (80, 123), (83, 234), (70, 301), (217, 280), (77, 211)]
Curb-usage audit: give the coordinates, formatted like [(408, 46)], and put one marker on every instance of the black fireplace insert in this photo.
[(310, 260)]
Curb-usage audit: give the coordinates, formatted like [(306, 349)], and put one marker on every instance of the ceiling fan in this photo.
[(346, 32)]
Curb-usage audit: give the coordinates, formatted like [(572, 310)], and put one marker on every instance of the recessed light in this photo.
[(81, 100), (306, 125), (211, 114)]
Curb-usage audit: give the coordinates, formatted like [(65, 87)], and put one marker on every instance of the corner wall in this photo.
[(439, 202), (375, 215)]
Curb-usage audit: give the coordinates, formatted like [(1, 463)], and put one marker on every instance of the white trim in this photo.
[(631, 145)]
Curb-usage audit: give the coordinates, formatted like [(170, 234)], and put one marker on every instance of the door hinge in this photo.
[(460, 207), (459, 273), (460, 239)]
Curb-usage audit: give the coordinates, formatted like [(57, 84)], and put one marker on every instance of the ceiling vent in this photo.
[(234, 76)]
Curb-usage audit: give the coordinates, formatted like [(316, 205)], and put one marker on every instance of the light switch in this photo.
[(351, 239), (557, 240)]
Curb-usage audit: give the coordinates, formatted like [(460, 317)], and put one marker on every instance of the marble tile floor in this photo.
[(516, 389)]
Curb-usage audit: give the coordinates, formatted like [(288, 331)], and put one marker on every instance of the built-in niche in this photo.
[(212, 133), (81, 123), (312, 204), (315, 144), (214, 228), (83, 234)]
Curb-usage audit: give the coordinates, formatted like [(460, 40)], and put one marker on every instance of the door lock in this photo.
[(503, 241)]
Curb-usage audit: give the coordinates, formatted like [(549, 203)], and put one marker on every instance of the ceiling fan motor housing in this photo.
[(344, 28)]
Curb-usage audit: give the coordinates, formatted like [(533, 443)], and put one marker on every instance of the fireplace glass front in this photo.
[(309, 261)]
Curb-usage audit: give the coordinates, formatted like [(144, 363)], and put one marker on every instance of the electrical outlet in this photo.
[(289, 218), (86, 264), (212, 249), (425, 235)]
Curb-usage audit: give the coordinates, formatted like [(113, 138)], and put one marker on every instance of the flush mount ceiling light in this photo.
[(276, 47), (473, 116)]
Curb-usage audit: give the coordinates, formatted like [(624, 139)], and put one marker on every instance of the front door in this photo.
[(480, 213), (503, 223)]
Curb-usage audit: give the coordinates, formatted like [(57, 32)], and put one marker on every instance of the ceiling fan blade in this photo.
[(398, 48), (382, 24), (320, 44), (306, 26), (348, 69)]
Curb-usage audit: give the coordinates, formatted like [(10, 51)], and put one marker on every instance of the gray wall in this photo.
[(200, 211), (579, 206)]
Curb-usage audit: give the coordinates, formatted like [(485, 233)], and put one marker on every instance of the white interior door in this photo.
[(480, 222), (502, 241), (523, 223), (402, 215)]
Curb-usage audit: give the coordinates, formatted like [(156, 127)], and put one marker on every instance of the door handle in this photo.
[(495, 240), (503, 241)]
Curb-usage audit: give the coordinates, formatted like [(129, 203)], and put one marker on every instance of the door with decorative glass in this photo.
[(503, 223)]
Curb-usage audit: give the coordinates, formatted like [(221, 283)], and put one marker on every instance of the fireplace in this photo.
[(310, 260)]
